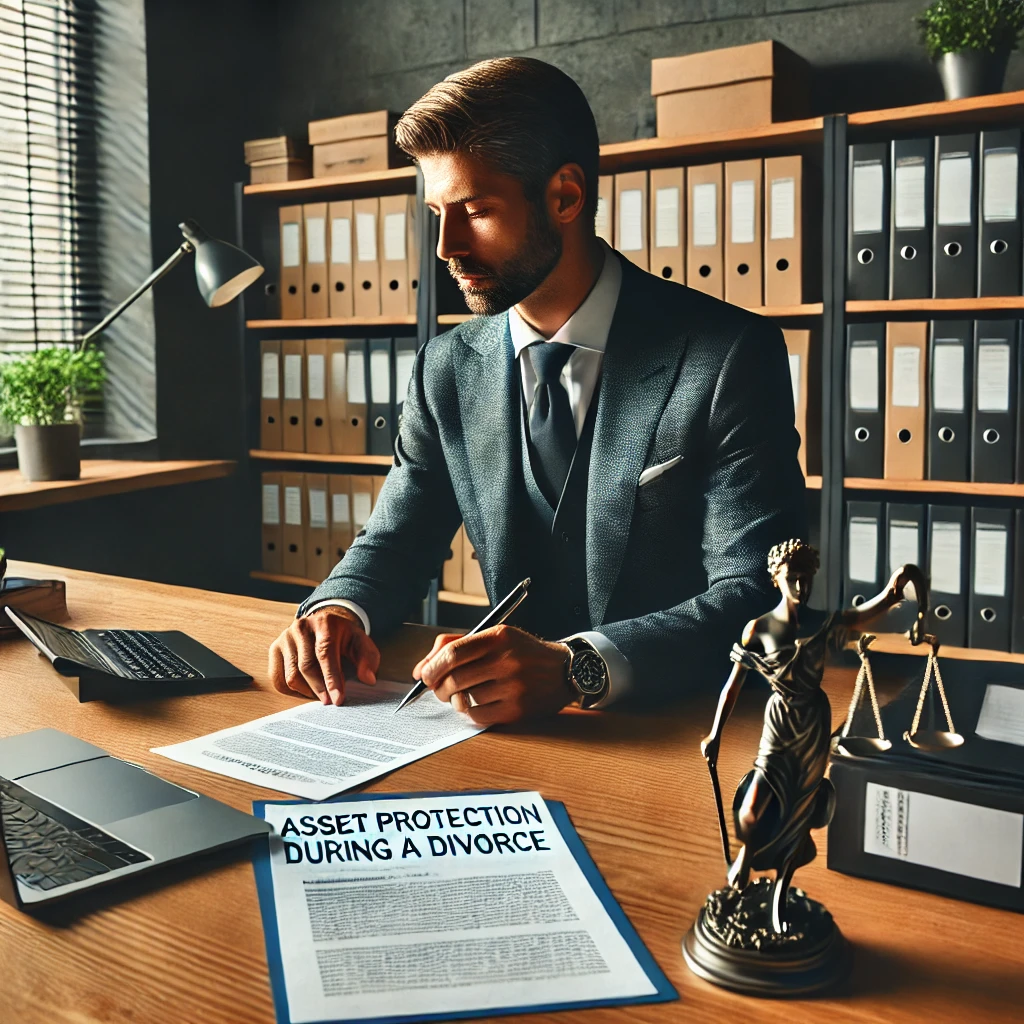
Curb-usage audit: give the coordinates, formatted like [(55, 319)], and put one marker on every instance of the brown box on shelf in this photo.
[(352, 126), (736, 87), (265, 172), (353, 156), (280, 147)]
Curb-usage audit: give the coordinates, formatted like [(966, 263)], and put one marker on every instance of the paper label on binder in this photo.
[(909, 188), (705, 214), (341, 240), (666, 218), (362, 506), (337, 373), (904, 544), (601, 219), (864, 377), (862, 553), (394, 236), (366, 237), (405, 360), (783, 211), (291, 256), (1000, 185), (631, 211), (868, 197), (945, 562), (340, 510), (743, 200), (293, 506), (315, 376), (993, 376), (293, 377), (271, 505), (316, 240), (948, 835), (271, 387), (356, 378), (906, 376), (990, 561), (948, 376), (1002, 715), (794, 377), (380, 377), (317, 509), (954, 203)]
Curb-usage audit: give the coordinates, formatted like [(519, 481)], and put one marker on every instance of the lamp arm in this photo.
[(175, 258)]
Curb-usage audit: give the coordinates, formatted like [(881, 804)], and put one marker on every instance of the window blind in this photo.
[(50, 286)]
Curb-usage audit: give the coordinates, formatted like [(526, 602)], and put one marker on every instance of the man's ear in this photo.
[(567, 193)]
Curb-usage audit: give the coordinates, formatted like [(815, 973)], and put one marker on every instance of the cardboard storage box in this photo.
[(352, 126), (280, 147), (355, 143), (738, 87), (278, 169)]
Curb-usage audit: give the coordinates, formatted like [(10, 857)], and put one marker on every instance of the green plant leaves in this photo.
[(949, 26), (47, 386)]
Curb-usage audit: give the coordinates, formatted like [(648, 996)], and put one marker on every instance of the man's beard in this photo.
[(519, 276)]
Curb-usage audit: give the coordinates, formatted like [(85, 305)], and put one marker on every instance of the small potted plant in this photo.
[(41, 393), (970, 42)]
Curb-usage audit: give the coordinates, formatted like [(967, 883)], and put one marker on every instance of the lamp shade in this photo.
[(223, 271)]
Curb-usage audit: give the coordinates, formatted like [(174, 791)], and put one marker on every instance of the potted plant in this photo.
[(41, 393), (970, 41)]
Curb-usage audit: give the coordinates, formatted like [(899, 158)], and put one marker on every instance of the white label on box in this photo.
[(601, 219), (954, 204), (993, 375), (293, 506), (631, 211), (356, 377), (1002, 715), (366, 237), (1000, 185), (909, 189), (705, 214), (947, 835), (394, 236), (293, 377), (317, 509), (315, 376), (337, 374), (948, 376), (405, 360), (316, 240), (990, 560), (271, 387), (864, 377), (743, 212), (341, 240), (290, 254), (271, 505), (868, 197), (380, 377), (783, 211), (362, 505), (666, 218), (340, 510), (906, 376), (904, 544), (862, 554), (944, 566), (794, 377)]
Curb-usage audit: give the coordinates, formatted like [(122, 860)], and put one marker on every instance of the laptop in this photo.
[(73, 817), (120, 664)]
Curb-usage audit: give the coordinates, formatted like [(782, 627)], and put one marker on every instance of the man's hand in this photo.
[(510, 673), (306, 658)]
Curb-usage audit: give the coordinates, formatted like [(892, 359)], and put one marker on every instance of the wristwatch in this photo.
[(586, 672)]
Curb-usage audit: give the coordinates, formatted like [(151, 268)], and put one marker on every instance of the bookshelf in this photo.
[(338, 460), (369, 183), (331, 321), (927, 307), (454, 597), (970, 489)]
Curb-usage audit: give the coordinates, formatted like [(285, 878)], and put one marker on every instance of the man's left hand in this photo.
[(511, 673)]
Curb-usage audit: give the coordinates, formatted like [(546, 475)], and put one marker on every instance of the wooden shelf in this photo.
[(1005, 106), (390, 182), (102, 477), (780, 312), (897, 643), (621, 156), (864, 483), (982, 305), (333, 321), (454, 597), (454, 318), (812, 483), (275, 577), (340, 460)]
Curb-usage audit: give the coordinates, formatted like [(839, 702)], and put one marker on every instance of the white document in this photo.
[(949, 835), (904, 544), (341, 240), (906, 376), (380, 376), (948, 376), (601, 219), (944, 566), (862, 555), (864, 377), (356, 377), (794, 377), (909, 193), (316, 240), (338, 384), (394, 236), (290, 254), (666, 218), (293, 376), (314, 751), (743, 211), (990, 561), (783, 211), (366, 237), (993, 376), (954, 200), (631, 211), (1002, 714), (271, 505), (317, 509), (1000, 185), (362, 506), (293, 506), (868, 195), (340, 514), (705, 214), (315, 374), (438, 905), (271, 376)]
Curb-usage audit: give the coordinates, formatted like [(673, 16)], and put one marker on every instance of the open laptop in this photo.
[(73, 817), (119, 664)]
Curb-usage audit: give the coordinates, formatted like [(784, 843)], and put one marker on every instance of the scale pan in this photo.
[(862, 746), (926, 740)]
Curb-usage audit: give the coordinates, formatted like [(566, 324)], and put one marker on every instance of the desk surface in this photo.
[(188, 947)]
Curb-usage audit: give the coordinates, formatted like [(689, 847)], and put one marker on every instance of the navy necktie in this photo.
[(552, 427)]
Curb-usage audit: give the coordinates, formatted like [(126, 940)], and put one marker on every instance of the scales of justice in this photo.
[(763, 936)]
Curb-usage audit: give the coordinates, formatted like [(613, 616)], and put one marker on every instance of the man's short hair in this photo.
[(520, 115)]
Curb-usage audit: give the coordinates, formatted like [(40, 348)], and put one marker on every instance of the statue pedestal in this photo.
[(732, 944)]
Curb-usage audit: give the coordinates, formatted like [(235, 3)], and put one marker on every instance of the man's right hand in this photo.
[(306, 659)]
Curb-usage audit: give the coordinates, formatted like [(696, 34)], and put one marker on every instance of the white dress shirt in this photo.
[(587, 329)]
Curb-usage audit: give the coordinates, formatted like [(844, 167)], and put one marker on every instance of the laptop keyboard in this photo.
[(145, 656), (48, 847)]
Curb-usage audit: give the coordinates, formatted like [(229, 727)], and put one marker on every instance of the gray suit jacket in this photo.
[(675, 567)]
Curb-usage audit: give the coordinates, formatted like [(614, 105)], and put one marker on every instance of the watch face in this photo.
[(588, 672)]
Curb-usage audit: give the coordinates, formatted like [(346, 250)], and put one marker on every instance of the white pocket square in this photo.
[(653, 472)]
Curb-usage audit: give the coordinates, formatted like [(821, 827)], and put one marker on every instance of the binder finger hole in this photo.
[(904, 436), (292, 290), (952, 248), (943, 612), (270, 289), (319, 421), (858, 599), (998, 246), (908, 252), (293, 420), (988, 614), (990, 436), (782, 264), (742, 269), (704, 271), (666, 271), (379, 422), (865, 256), (393, 285), (314, 287), (367, 285), (339, 286), (946, 434), (861, 434)]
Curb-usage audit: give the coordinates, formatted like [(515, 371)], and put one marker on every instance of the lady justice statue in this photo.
[(763, 937)]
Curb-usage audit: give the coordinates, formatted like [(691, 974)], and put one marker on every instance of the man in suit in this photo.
[(624, 441)]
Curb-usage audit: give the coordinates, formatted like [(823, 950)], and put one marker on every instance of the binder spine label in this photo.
[(862, 549), (868, 197), (293, 377), (291, 255), (864, 377), (315, 375), (394, 236), (909, 194), (705, 214), (993, 376), (271, 505), (783, 209), (631, 214), (743, 199), (317, 509), (990, 551), (999, 185), (271, 374), (366, 237), (356, 378), (906, 373), (666, 218), (293, 506), (316, 240), (341, 240), (954, 187), (340, 512), (946, 557), (948, 377)]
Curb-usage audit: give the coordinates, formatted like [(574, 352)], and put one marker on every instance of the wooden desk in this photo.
[(189, 947)]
